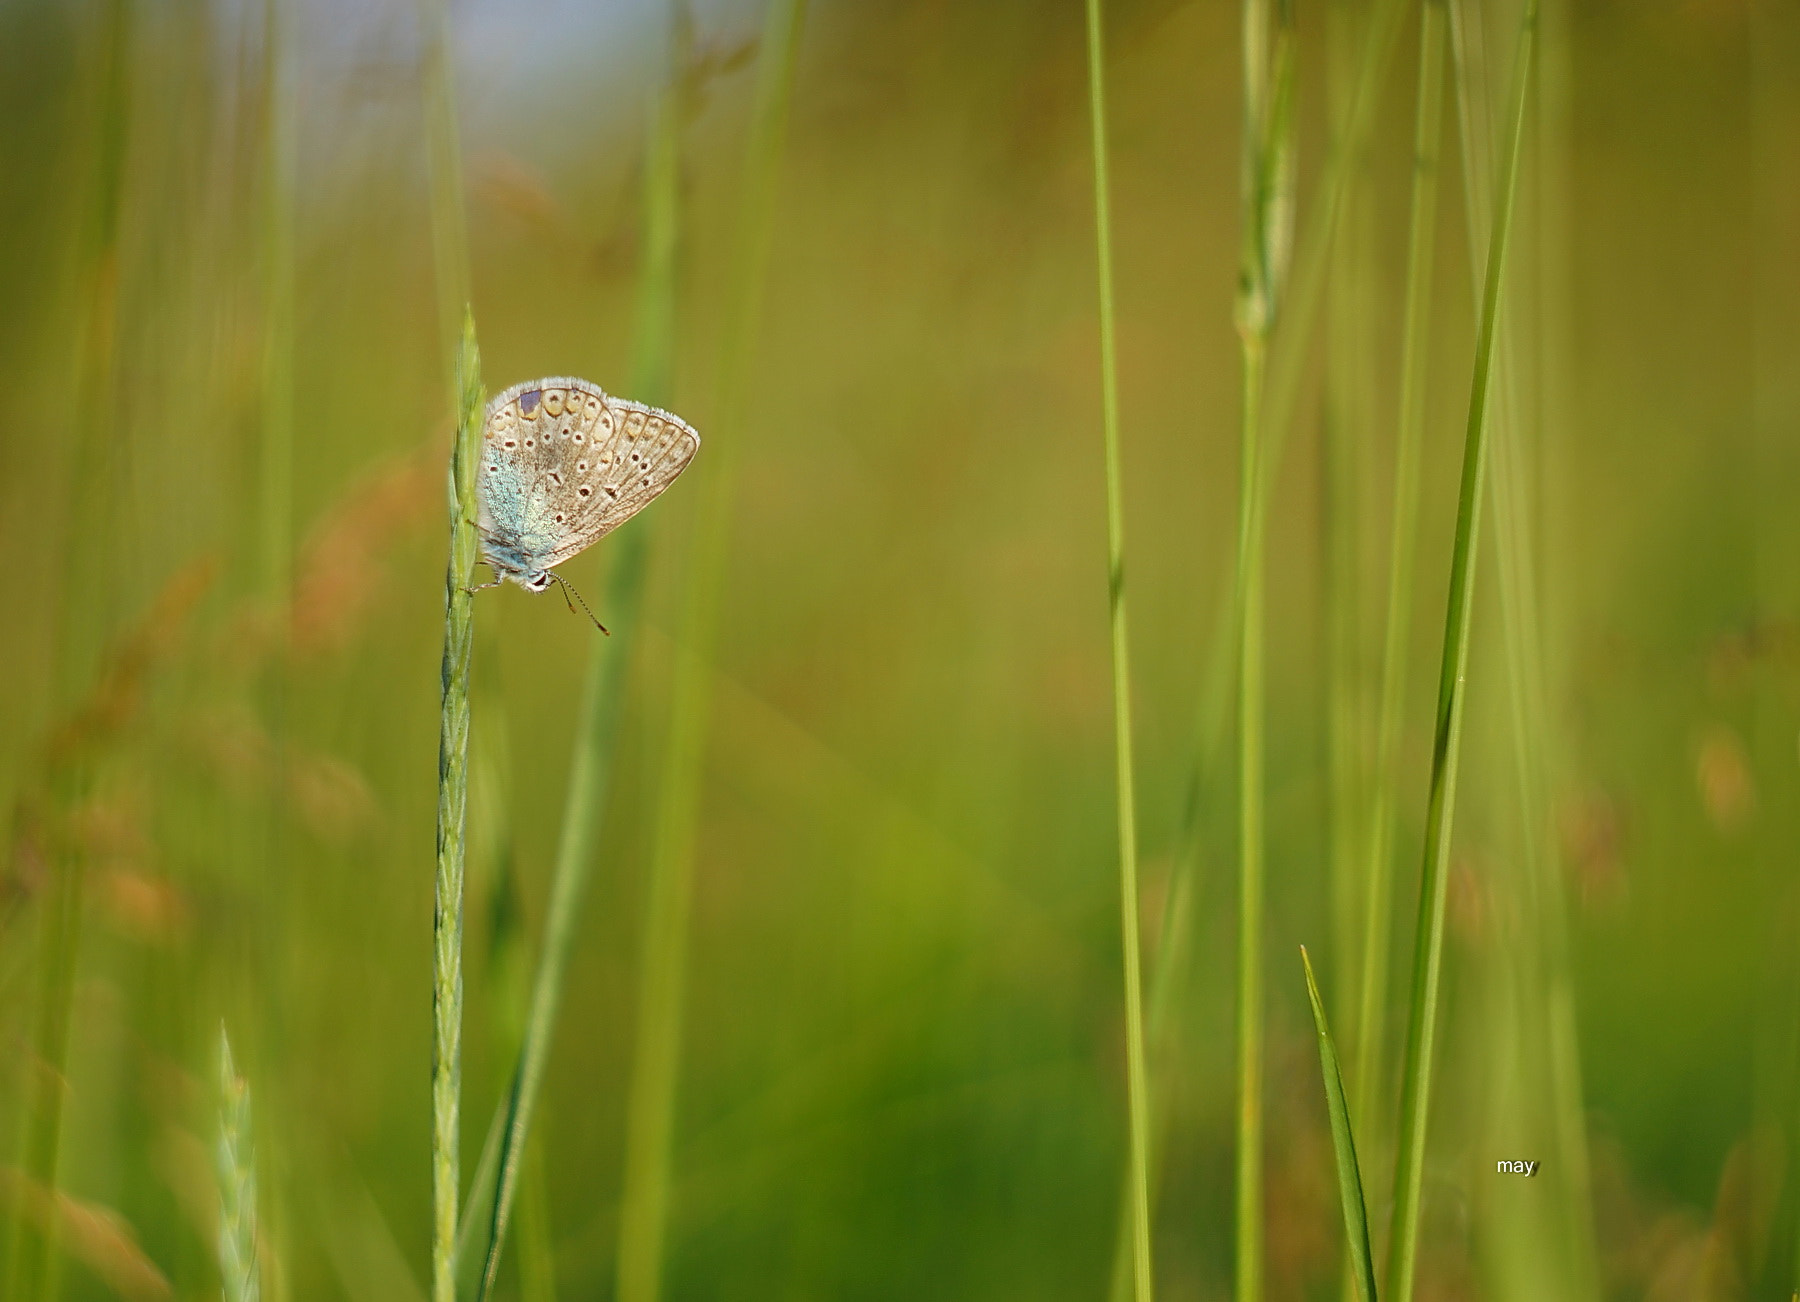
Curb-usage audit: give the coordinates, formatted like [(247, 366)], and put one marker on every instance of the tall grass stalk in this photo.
[(449, 244), (1125, 794), (1268, 181), (1315, 241), (1446, 752), (491, 762), (1248, 1180), (643, 1212), (234, 1163), (603, 693), (1370, 1026), (453, 795), (1274, 412)]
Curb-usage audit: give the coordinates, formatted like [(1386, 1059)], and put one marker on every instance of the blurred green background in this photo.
[(902, 1067)]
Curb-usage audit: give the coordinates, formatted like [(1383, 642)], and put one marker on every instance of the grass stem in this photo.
[(1428, 946), (453, 796), (1268, 181), (1249, 1238), (1138, 1088)]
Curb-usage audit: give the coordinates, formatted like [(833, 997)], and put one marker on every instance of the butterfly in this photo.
[(563, 464)]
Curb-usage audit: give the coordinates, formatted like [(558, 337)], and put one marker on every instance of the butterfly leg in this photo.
[(480, 587)]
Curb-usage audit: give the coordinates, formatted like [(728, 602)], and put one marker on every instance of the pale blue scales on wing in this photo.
[(563, 464)]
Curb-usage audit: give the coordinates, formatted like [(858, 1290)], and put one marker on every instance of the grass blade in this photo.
[(1343, 1146), (1121, 676), (1428, 947), (453, 797)]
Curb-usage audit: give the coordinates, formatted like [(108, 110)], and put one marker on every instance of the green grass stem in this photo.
[(1370, 1025), (1343, 1147), (650, 1107), (1428, 946), (1125, 794), (453, 795), (1248, 1182), (1162, 1010), (1268, 177), (450, 260)]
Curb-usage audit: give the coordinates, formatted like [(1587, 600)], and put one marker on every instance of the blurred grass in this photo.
[(1369, 1028), (902, 1047), (656, 1058)]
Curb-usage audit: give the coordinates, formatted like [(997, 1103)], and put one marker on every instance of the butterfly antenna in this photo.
[(568, 588)]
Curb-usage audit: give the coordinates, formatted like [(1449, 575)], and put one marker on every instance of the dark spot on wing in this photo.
[(528, 401)]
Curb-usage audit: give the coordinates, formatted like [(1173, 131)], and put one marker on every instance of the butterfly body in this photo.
[(563, 464)]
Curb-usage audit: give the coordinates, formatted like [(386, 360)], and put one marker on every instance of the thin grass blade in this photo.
[(1343, 1146)]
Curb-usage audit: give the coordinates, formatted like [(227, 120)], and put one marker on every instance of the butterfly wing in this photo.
[(532, 436), (632, 454)]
